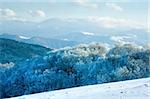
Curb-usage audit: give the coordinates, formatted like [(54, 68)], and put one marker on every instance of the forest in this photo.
[(84, 64)]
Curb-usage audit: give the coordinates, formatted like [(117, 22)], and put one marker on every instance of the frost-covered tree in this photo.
[(76, 66)]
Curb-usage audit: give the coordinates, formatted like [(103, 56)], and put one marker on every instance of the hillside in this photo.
[(130, 89), (81, 65), (14, 51)]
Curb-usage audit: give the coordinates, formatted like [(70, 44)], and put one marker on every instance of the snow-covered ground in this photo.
[(131, 89)]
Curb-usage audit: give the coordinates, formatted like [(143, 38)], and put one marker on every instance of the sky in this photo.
[(134, 11)]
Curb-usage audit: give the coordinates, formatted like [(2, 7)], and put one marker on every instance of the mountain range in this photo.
[(75, 38), (55, 27), (46, 42), (58, 33)]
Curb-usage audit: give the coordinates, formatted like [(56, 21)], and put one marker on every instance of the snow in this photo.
[(131, 89), (120, 39), (23, 37), (66, 39), (88, 33)]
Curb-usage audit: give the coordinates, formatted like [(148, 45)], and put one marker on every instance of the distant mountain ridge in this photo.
[(46, 42), (55, 27), (68, 32)]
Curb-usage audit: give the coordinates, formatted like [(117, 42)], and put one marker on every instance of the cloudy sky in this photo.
[(108, 11)]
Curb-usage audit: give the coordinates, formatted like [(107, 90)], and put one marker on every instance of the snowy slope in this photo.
[(131, 89)]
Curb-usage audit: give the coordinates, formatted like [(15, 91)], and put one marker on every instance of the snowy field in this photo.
[(131, 89)]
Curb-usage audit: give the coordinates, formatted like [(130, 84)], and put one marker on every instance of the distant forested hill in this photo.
[(14, 51)]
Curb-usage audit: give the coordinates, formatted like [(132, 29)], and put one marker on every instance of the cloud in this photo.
[(114, 6), (86, 3), (38, 13), (7, 13), (110, 22)]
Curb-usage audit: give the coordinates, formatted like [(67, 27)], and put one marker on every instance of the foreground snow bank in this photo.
[(131, 89)]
